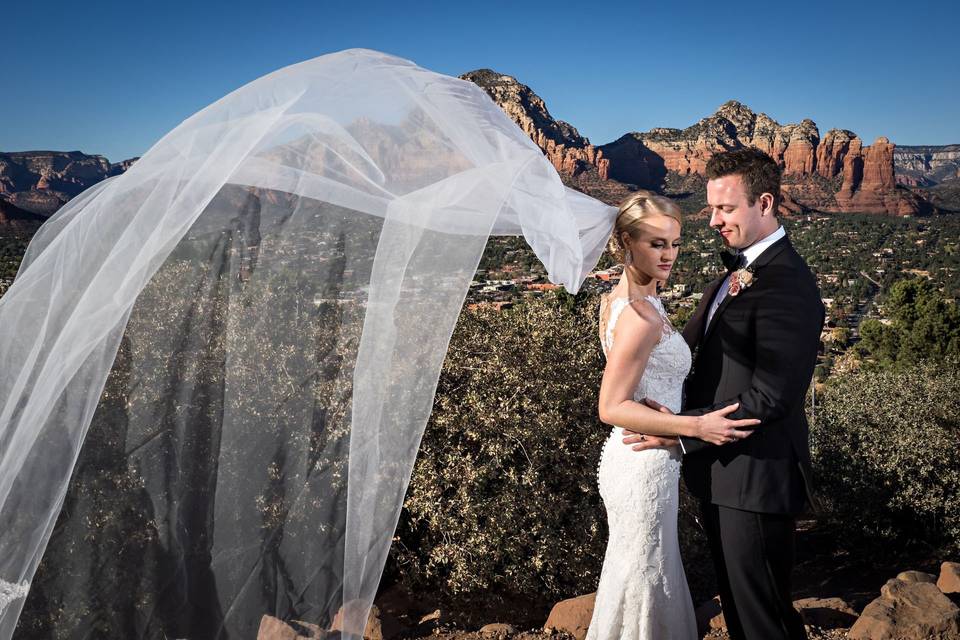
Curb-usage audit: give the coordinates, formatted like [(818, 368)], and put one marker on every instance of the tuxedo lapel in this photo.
[(764, 258), (693, 330)]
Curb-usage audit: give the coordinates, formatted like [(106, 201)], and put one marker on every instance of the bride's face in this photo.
[(656, 246)]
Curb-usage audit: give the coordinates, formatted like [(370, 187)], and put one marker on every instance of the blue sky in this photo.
[(113, 77)]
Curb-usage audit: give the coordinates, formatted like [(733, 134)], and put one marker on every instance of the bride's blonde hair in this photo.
[(636, 208)]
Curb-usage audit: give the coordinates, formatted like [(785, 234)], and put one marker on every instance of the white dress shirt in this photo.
[(752, 253)]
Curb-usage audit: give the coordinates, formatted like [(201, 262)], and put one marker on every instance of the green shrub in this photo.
[(885, 448), (503, 496)]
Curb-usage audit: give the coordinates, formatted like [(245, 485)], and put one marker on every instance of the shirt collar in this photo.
[(753, 251)]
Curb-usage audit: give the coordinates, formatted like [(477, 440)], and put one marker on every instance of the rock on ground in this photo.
[(908, 611)]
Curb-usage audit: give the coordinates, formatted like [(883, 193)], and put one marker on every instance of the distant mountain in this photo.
[(927, 166), (41, 181), (837, 173), (569, 152)]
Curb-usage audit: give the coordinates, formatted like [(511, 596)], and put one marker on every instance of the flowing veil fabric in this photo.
[(247, 327)]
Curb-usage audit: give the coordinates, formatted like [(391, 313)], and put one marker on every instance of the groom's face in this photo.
[(737, 221)]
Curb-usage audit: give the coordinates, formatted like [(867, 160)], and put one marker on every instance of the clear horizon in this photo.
[(120, 76)]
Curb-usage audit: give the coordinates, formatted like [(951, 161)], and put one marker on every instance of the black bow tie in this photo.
[(733, 261)]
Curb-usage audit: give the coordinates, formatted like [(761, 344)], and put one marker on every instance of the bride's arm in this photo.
[(635, 334)]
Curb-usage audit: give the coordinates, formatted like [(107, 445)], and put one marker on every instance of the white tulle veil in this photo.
[(251, 321)]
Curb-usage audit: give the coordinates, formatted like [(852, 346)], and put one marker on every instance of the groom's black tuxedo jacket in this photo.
[(759, 350)]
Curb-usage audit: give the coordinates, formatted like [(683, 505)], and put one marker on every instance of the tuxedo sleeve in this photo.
[(788, 322)]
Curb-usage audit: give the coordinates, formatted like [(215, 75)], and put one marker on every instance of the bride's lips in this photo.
[(665, 267)]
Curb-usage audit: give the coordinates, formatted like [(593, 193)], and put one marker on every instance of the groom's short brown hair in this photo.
[(759, 172)]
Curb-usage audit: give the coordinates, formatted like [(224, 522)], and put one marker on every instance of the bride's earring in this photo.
[(627, 258)]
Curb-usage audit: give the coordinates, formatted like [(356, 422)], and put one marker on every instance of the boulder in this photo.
[(273, 629), (949, 581), (380, 625), (917, 576), (908, 611), (572, 616)]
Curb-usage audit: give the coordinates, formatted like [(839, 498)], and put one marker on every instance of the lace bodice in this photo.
[(669, 361)]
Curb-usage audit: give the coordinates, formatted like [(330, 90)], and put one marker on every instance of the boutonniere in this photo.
[(740, 279)]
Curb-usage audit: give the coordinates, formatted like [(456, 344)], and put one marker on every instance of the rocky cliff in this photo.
[(563, 145), (12, 214), (835, 173), (41, 181), (927, 166)]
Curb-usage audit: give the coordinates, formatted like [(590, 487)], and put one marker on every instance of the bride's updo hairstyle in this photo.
[(636, 208)]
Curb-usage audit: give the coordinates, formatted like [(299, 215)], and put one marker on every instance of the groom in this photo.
[(755, 337)]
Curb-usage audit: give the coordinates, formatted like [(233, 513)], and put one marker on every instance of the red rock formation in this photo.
[(686, 151), (878, 165), (869, 185), (563, 145), (832, 150)]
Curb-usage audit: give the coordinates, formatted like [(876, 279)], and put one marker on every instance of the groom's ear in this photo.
[(766, 203)]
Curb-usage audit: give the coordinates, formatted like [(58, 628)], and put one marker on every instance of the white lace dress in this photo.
[(643, 593)]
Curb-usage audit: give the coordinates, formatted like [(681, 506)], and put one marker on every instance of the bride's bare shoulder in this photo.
[(639, 321)]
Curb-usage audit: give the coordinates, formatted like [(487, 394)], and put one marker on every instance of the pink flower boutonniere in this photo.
[(740, 279)]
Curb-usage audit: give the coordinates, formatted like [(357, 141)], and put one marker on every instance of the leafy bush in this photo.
[(885, 449), (503, 498)]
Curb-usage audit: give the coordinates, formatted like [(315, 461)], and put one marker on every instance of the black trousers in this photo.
[(753, 554)]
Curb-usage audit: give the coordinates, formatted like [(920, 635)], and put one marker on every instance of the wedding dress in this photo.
[(643, 592)]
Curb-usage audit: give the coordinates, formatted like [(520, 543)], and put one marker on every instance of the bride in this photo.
[(643, 592)]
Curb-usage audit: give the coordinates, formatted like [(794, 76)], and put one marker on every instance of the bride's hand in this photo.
[(642, 442), (716, 428)]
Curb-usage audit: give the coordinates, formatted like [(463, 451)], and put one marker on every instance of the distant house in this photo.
[(607, 274), (542, 286)]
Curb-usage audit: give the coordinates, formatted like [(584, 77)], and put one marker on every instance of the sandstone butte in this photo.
[(835, 174)]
